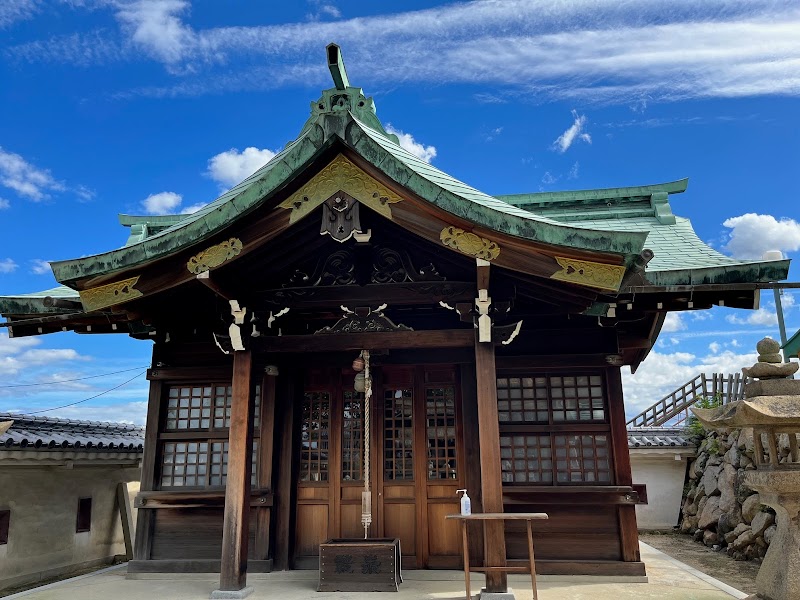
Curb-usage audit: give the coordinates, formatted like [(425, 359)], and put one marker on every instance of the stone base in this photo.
[(231, 594), (772, 387), (484, 595)]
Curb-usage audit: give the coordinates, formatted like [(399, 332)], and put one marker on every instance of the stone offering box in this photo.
[(357, 565)]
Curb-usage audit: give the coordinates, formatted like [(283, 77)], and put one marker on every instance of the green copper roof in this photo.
[(380, 149), (31, 304), (680, 256)]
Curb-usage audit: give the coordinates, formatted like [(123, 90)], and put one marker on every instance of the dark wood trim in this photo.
[(205, 374), (629, 535), (569, 495), (264, 476), (551, 361), (196, 499), (145, 518), (236, 527), (288, 388), (607, 568), (192, 566), (393, 340), (472, 452), (494, 543)]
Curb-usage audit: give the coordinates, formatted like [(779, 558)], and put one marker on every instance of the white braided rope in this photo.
[(366, 513)]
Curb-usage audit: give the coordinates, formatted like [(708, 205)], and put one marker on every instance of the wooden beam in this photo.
[(391, 340), (235, 530), (265, 450), (289, 389), (145, 518), (494, 542), (124, 502), (629, 535)]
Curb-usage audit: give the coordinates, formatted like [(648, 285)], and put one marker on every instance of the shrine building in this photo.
[(495, 328)]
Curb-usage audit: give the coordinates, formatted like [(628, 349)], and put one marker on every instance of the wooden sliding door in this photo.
[(416, 467)]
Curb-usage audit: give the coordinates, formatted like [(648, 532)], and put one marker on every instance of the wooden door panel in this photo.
[(351, 521), (312, 528), (444, 536), (400, 521)]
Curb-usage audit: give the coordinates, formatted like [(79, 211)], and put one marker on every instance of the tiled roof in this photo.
[(48, 433), (653, 437)]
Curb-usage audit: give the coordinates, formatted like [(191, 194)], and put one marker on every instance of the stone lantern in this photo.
[(771, 406)]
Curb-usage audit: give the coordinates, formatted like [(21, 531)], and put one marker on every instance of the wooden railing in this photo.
[(673, 409)]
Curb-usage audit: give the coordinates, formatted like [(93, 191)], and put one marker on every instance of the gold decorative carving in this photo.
[(110, 294), (469, 243), (340, 175), (591, 274), (214, 256)]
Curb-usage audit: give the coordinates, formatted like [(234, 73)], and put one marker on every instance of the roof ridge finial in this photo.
[(336, 65)]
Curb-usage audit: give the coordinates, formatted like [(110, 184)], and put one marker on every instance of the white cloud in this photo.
[(27, 180), (133, 413), (155, 27), (673, 322), (163, 203), (714, 347), (7, 265), (84, 194), (493, 134), (761, 317), (548, 178), (40, 267), (573, 172), (753, 234), (408, 143), (230, 167), (193, 208), (589, 49), (573, 132), (4, 204), (701, 315), (323, 10), (21, 355), (12, 11)]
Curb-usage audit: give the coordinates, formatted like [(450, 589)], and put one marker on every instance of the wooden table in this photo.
[(528, 517)]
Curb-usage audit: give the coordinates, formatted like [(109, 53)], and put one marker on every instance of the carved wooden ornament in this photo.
[(590, 274), (340, 175), (110, 294), (469, 243), (214, 256)]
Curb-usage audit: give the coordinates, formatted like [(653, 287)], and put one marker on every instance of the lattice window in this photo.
[(203, 406), (184, 464), (577, 398), (526, 459), (440, 415), (314, 436), (190, 464), (582, 458), (353, 437), (398, 434), (522, 399), (551, 399)]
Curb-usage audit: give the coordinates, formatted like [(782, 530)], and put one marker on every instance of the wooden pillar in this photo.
[(236, 527), (626, 513), (265, 450), (143, 539), (494, 542), (285, 446)]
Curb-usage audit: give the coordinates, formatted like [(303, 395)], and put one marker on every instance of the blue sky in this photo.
[(137, 106)]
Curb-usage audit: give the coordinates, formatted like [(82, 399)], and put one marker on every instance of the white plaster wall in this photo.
[(42, 541), (664, 478)]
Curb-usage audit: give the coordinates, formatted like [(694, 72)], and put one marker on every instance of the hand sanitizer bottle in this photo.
[(466, 504)]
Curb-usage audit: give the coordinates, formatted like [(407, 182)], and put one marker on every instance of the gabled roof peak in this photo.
[(344, 100)]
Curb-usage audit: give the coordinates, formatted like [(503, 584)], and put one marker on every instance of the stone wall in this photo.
[(719, 510)]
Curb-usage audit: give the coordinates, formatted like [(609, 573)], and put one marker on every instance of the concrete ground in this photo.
[(668, 579)]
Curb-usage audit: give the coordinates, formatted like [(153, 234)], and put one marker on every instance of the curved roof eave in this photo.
[(206, 221), (435, 186), (462, 200)]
